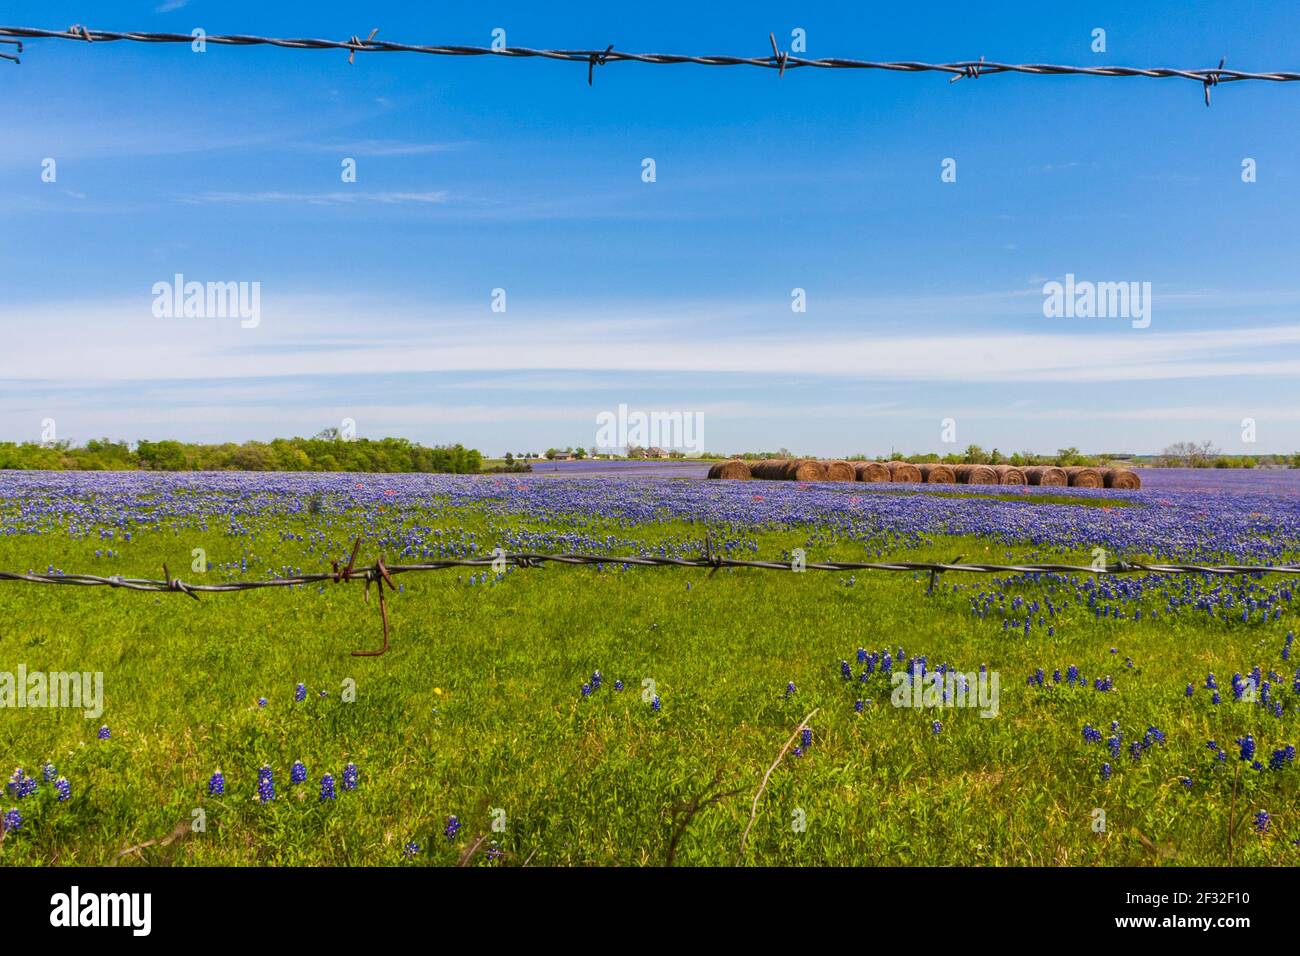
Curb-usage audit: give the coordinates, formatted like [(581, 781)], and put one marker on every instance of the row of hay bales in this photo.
[(811, 469)]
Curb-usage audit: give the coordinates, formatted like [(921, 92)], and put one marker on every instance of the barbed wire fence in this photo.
[(382, 574), (779, 60)]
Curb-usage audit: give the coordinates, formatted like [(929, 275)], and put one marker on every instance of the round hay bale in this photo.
[(976, 475), (1082, 477), (871, 471), (938, 475), (713, 469), (1121, 478), (1010, 475), (903, 471), (839, 471), (1048, 475), (770, 469), (805, 469)]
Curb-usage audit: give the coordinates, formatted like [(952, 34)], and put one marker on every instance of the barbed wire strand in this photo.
[(779, 60), (382, 574)]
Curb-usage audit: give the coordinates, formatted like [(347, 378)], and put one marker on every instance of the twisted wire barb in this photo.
[(382, 574), (778, 60)]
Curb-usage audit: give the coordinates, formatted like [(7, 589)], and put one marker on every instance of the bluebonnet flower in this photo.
[(452, 828), (596, 680), (48, 772), (300, 693), (936, 727), (1247, 747), (1211, 683), (798, 751), (1114, 744), (105, 733), (845, 670), (805, 738), (586, 690), (1261, 821), (1105, 771), (298, 772), (618, 685), (327, 787), (265, 785), (216, 784), (789, 689), (13, 821), (1281, 757), (862, 655), (1091, 734), (1238, 687), (411, 849), (655, 704), (1189, 691), (859, 706), (1186, 782), (261, 702), (494, 853), (350, 777), (63, 789), (1216, 699)]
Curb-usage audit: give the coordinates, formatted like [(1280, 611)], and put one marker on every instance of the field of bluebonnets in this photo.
[(617, 715)]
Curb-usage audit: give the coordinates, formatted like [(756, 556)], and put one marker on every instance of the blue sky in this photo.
[(924, 297)]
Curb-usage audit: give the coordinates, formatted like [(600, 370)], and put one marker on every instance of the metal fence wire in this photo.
[(382, 574), (779, 60)]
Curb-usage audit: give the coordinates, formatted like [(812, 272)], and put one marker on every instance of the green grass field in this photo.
[(477, 709)]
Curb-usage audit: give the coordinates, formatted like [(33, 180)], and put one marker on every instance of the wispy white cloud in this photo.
[(321, 336), (340, 197), (381, 147)]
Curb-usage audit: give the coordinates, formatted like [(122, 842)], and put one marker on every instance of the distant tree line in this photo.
[(1179, 455), (282, 454), (1204, 454)]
